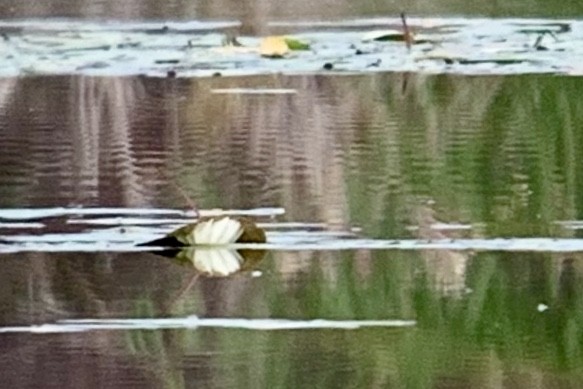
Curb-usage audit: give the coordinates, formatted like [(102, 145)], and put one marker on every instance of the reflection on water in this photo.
[(216, 262), (515, 317), (425, 158), (382, 152)]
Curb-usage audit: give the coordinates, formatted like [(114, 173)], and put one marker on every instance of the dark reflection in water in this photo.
[(512, 319), (382, 152)]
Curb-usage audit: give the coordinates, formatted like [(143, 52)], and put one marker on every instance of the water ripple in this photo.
[(120, 230), (193, 322)]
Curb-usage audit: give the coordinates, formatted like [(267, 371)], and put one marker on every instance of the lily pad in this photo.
[(384, 35), (395, 36), (185, 50), (296, 45)]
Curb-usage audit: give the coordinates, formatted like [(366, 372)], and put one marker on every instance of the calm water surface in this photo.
[(391, 157)]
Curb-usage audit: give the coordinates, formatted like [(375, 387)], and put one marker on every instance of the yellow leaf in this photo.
[(273, 47)]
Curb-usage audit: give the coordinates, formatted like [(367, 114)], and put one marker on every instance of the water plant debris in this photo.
[(204, 49)]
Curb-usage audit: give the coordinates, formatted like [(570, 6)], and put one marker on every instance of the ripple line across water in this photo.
[(79, 243), (193, 322)]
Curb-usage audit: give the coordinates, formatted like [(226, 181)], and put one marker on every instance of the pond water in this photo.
[(356, 46), (424, 230), (477, 178)]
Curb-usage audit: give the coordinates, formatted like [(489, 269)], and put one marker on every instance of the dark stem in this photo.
[(406, 32)]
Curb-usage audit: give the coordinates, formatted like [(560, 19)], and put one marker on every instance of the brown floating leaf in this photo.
[(398, 36), (383, 35)]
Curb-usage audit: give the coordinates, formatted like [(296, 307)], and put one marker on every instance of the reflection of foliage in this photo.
[(158, 350), (490, 328), (505, 155), (494, 328), (372, 151), (349, 150)]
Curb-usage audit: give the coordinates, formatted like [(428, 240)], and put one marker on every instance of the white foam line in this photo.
[(37, 213), (116, 221), (255, 91), (240, 212), (293, 225), (127, 221), (192, 322), (20, 244), (22, 225), (495, 244)]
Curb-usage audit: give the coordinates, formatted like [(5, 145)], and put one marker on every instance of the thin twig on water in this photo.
[(407, 37), (183, 193), (186, 287)]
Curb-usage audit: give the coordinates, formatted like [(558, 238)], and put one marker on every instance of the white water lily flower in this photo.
[(217, 232), (217, 262), (214, 231)]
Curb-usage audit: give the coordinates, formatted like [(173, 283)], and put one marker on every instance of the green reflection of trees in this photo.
[(159, 351), (494, 330), (482, 329), (366, 150), (370, 150), (485, 332), (499, 150), (485, 329)]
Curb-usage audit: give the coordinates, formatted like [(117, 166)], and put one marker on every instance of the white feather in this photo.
[(217, 262), (217, 232)]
